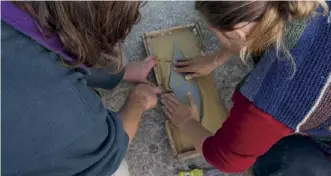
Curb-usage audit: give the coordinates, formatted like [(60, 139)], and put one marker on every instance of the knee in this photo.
[(296, 155)]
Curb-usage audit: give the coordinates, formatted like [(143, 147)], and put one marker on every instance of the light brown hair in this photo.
[(89, 30), (271, 18)]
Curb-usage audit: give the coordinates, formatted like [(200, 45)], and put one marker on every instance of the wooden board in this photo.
[(188, 39)]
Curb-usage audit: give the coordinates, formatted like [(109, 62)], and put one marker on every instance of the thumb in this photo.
[(193, 106), (190, 99), (191, 76), (149, 58), (155, 89), (151, 61)]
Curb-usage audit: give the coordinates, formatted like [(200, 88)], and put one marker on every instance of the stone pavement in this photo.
[(150, 153)]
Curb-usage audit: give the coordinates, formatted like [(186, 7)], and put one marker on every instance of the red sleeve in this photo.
[(245, 135)]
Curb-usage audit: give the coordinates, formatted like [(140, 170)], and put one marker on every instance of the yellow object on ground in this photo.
[(194, 172)]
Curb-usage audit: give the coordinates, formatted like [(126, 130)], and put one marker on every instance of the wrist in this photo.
[(131, 108), (196, 132), (130, 114), (221, 57)]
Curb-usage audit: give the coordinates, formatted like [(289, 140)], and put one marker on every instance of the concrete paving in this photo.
[(150, 153)]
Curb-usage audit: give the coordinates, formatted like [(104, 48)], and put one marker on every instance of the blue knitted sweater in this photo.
[(297, 91)]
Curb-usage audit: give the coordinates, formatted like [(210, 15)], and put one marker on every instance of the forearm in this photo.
[(221, 56), (246, 134), (198, 135), (130, 114)]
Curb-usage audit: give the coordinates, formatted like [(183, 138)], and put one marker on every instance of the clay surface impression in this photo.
[(187, 39)]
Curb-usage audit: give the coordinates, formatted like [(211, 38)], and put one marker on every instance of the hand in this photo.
[(200, 66), (136, 72), (142, 97), (179, 113), (185, 118), (145, 95)]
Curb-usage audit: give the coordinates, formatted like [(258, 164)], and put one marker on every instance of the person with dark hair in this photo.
[(280, 122), (53, 55)]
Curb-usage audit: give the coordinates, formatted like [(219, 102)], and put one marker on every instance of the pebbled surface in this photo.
[(150, 154)]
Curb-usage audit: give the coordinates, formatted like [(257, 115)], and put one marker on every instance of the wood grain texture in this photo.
[(188, 39)]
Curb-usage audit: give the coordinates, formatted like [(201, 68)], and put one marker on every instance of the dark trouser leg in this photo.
[(293, 156)]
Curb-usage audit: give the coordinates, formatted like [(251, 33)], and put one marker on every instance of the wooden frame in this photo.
[(216, 112)]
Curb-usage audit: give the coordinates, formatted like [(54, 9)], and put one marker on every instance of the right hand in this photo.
[(200, 66), (136, 72), (145, 95), (178, 112)]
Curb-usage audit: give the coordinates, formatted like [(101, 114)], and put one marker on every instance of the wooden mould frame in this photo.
[(173, 29), (194, 27)]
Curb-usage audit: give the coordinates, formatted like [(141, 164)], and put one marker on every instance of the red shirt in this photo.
[(245, 135)]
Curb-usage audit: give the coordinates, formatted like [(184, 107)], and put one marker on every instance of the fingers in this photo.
[(151, 61), (183, 69), (155, 89), (151, 87), (182, 63), (190, 99), (194, 107), (191, 76), (166, 112), (149, 58), (171, 98), (169, 102), (168, 105)]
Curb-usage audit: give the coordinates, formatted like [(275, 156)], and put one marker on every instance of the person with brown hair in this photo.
[(52, 54), (281, 120)]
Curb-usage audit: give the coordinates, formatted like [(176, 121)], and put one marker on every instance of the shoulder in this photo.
[(35, 74), (287, 87), (45, 106)]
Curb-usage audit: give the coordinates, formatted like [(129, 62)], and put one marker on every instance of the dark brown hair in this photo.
[(271, 17), (89, 30)]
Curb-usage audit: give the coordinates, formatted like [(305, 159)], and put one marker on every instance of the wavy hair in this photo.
[(89, 30), (271, 18)]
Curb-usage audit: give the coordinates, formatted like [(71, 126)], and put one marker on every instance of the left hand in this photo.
[(178, 112), (136, 72)]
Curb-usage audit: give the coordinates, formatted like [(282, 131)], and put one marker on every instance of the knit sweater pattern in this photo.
[(296, 89)]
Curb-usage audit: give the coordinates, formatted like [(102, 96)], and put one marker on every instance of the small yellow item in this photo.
[(188, 77), (194, 172)]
